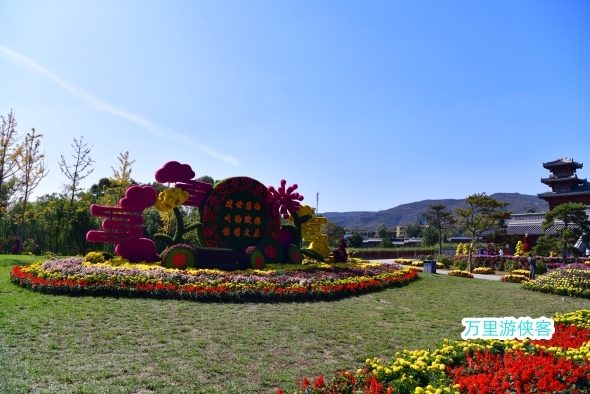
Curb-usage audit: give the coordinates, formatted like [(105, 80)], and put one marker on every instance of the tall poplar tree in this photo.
[(8, 163), (32, 169)]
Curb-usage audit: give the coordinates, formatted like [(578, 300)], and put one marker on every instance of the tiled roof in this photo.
[(553, 179), (532, 229), (528, 228), (576, 192), (561, 162)]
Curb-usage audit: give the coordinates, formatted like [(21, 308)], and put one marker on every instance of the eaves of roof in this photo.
[(562, 162), (565, 194)]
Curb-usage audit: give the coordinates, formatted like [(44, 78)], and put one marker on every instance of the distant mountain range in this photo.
[(412, 212)]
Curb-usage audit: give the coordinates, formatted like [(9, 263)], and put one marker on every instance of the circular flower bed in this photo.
[(278, 282)]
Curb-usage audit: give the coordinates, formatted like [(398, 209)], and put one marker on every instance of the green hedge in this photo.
[(390, 253)]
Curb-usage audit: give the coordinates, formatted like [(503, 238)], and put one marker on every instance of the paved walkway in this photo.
[(445, 272)]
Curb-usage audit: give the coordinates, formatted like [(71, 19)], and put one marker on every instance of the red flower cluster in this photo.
[(343, 382), (566, 337), (519, 372)]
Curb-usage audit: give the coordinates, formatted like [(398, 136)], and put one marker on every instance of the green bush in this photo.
[(107, 256), (511, 265), (460, 264), (541, 267), (445, 260)]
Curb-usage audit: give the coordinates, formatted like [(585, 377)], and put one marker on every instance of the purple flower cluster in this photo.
[(74, 266)]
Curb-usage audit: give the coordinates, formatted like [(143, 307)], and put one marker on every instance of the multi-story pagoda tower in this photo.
[(565, 184)]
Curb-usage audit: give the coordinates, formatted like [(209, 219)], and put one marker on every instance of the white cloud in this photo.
[(100, 105)]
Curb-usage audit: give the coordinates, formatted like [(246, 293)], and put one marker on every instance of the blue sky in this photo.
[(371, 104)]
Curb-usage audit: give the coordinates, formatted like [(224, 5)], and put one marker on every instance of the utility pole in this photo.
[(317, 203)]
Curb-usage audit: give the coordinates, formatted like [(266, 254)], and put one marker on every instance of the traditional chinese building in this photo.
[(566, 187), (565, 184)]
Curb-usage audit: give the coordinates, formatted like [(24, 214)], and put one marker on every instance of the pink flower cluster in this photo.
[(284, 201)]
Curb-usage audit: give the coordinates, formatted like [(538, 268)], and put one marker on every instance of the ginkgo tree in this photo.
[(481, 214)]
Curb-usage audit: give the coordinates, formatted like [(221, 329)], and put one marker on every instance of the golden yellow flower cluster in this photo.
[(171, 198)]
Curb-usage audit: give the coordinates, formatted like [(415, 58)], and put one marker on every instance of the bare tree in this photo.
[(8, 163), (32, 169), (123, 175), (75, 173)]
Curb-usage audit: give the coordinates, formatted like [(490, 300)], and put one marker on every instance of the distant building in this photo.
[(371, 242), (566, 187)]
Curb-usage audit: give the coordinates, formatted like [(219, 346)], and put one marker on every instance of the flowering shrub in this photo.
[(571, 280), (557, 365), (97, 257), (514, 278), (279, 282), (461, 273), (506, 263), (484, 270), (520, 272), (519, 249)]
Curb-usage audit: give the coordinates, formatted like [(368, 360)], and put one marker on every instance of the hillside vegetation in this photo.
[(412, 212)]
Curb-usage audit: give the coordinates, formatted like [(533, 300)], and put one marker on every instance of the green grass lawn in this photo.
[(62, 344)]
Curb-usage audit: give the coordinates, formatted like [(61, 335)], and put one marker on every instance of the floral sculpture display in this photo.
[(123, 225), (240, 230), (240, 225), (310, 229), (519, 250)]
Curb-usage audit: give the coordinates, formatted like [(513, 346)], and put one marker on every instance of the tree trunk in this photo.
[(470, 251)]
